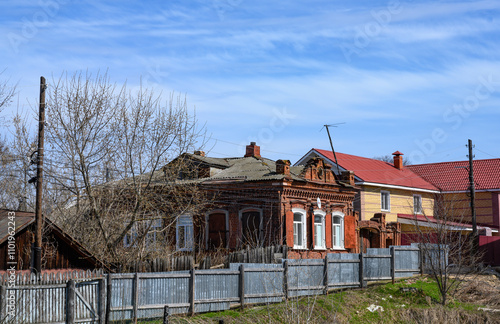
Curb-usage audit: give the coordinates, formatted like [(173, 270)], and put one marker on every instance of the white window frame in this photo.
[(322, 245), (340, 245), (185, 221), (251, 209), (421, 209), (382, 193), (207, 217), (302, 223)]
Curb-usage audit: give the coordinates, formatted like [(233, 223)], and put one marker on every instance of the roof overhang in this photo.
[(431, 224), (383, 185)]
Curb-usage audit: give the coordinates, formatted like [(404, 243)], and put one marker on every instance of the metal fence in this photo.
[(144, 295)]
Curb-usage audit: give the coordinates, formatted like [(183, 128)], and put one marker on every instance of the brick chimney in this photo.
[(398, 160), (253, 150), (283, 167)]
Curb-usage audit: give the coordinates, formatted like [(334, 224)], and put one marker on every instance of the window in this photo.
[(338, 230), (299, 229), (251, 227), (385, 201), (184, 233), (217, 229), (417, 204), (319, 229)]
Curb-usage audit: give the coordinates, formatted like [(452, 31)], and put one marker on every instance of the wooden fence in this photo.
[(133, 296)]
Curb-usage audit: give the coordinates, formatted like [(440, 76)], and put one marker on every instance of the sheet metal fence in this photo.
[(144, 295)]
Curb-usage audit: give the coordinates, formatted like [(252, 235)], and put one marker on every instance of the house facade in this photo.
[(258, 202), (452, 179), (387, 191)]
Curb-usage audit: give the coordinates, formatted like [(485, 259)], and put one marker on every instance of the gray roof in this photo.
[(250, 169)]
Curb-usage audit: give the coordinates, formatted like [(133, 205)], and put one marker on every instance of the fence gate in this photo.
[(86, 302)]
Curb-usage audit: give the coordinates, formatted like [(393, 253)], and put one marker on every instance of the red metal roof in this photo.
[(454, 176), (371, 170)]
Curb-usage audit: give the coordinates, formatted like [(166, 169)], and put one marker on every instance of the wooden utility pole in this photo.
[(472, 190), (37, 252)]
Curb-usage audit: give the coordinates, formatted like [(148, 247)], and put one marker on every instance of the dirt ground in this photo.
[(483, 289)]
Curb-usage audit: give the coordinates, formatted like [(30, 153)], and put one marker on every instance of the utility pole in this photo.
[(37, 252), (472, 198)]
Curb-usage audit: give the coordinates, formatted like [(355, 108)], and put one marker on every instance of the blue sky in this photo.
[(420, 77)]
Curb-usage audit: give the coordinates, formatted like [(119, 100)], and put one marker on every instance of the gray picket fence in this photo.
[(133, 296)]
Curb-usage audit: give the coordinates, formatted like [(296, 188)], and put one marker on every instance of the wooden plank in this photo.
[(242, 286), (340, 284), (264, 269), (407, 270), (343, 261), (285, 279), (361, 271), (325, 274), (378, 278), (217, 272), (382, 256), (191, 292), (102, 301), (218, 300), (3, 302), (109, 294), (70, 302), (135, 298), (393, 265), (264, 295), (307, 288)]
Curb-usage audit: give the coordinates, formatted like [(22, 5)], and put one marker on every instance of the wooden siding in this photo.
[(401, 202), (458, 205)]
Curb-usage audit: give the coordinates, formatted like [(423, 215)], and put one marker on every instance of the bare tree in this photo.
[(447, 249), (107, 149), (15, 160), (7, 92), (390, 159)]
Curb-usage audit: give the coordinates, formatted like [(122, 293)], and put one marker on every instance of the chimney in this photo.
[(200, 153), (253, 150), (348, 176), (283, 167), (398, 160)]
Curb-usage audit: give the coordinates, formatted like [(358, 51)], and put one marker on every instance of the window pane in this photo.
[(318, 219), (336, 220), (318, 233), (181, 239), (297, 217)]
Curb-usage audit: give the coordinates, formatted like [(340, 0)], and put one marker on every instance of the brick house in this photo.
[(387, 190), (259, 202)]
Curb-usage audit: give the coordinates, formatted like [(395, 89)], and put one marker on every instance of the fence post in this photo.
[(421, 259), (361, 271), (191, 292), (108, 298), (166, 314), (102, 300), (3, 304), (325, 274), (393, 264), (285, 279), (242, 286), (135, 297), (70, 302)]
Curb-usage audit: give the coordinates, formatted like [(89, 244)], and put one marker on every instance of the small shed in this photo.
[(59, 250)]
